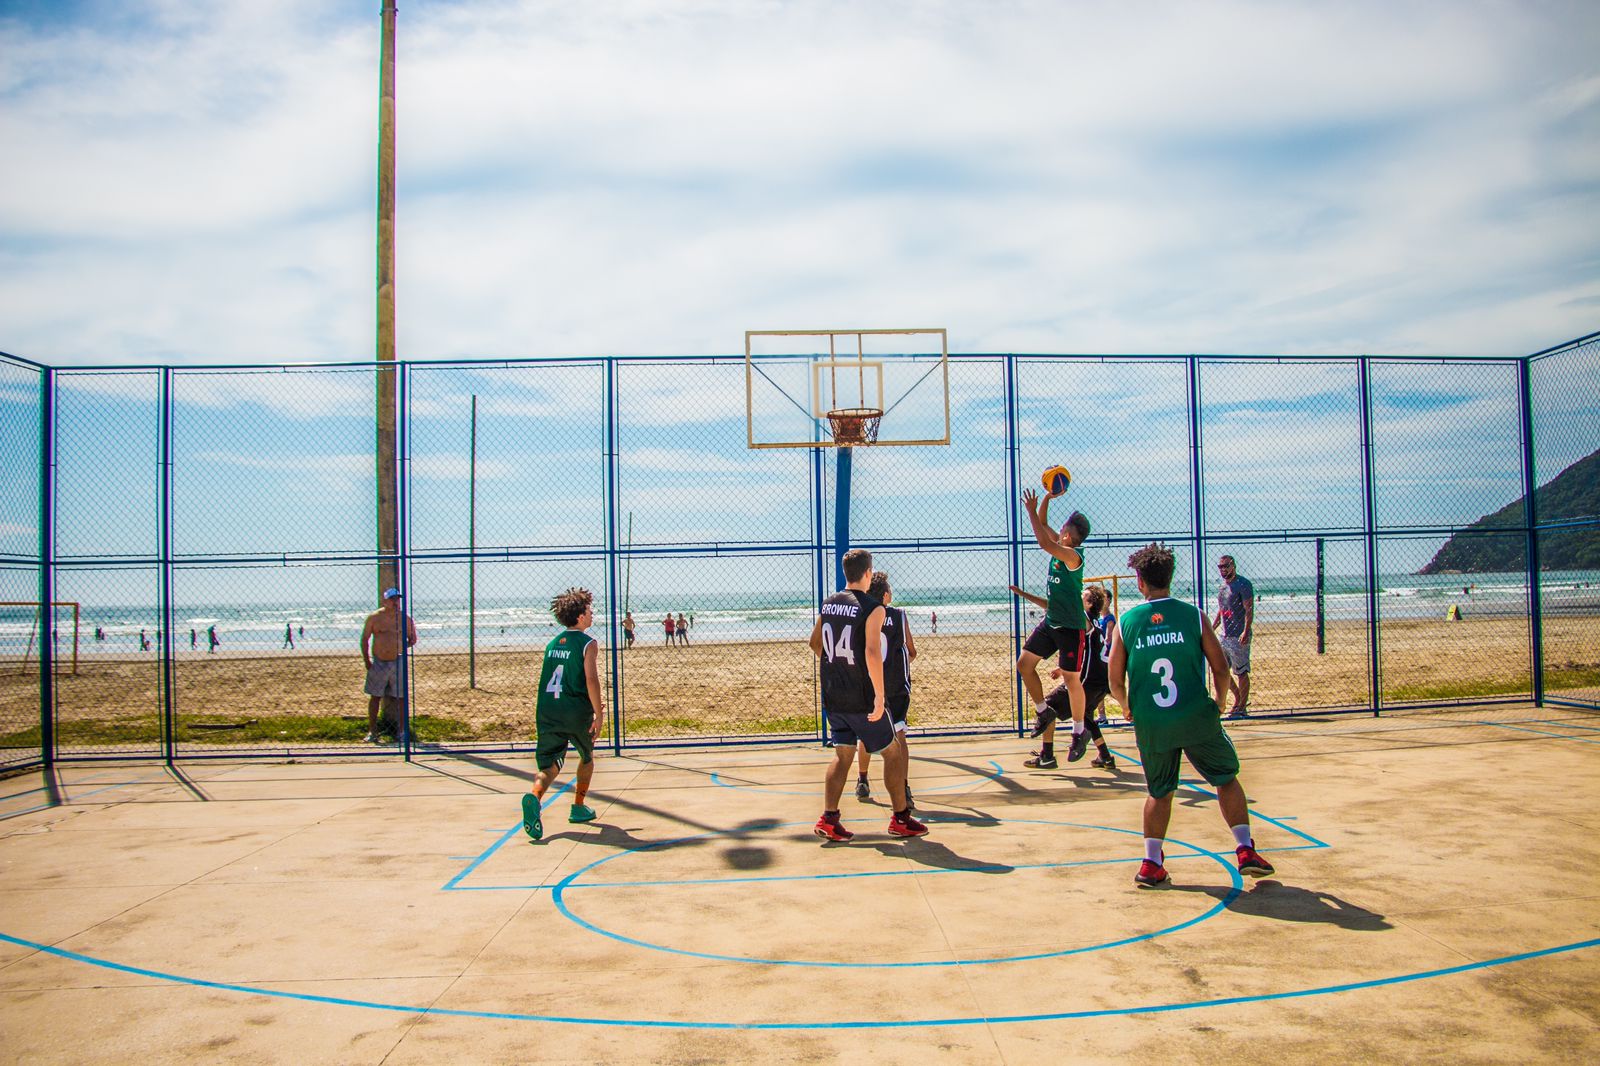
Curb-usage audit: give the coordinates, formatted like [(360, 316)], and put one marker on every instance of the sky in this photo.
[(195, 182)]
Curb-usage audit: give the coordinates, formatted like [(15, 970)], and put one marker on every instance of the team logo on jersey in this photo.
[(563, 640), (1157, 619)]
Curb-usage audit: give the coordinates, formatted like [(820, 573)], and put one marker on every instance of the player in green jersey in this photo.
[(1061, 631), (571, 710), (1159, 658)]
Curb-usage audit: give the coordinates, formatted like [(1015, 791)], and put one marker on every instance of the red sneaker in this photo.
[(1251, 864), (906, 827), (830, 829), (1150, 874)]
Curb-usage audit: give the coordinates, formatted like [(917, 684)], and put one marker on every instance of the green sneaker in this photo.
[(581, 813), (531, 823)]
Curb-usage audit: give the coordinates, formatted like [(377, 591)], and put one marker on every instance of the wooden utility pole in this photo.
[(388, 487)]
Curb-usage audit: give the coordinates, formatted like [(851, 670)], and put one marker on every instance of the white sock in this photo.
[(1077, 727), (1241, 836), (1152, 849)]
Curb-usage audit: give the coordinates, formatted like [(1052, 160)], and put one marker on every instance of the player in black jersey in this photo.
[(899, 649), (848, 640)]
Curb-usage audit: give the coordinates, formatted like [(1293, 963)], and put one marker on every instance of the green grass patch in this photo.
[(686, 726), (272, 730), (1459, 690)]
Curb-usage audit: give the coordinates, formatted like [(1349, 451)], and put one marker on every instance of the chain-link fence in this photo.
[(212, 562)]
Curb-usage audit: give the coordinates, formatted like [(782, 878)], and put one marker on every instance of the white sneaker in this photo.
[(370, 739)]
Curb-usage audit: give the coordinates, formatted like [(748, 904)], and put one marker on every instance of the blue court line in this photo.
[(492, 848), (999, 772), (647, 1023), (558, 897)]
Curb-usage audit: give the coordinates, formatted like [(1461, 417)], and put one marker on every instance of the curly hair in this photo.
[(570, 605), (1097, 600), (1154, 565), (879, 588)]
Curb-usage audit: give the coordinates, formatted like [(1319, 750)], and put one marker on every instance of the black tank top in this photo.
[(896, 667), (1096, 653), (846, 685)]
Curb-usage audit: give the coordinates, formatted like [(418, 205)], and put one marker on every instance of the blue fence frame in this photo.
[(613, 553)]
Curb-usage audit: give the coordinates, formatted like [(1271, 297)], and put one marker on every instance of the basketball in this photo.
[(1057, 480)]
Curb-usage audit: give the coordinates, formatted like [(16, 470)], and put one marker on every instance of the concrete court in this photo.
[(1434, 902)]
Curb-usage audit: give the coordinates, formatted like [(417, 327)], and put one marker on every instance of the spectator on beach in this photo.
[(691, 619), (144, 644), (627, 627), (211, 640), (381, 650), (933, 623), (288, 637), (302, 631), (683, 631), (1236, 608), (670, 626), (192, 645), (99, 634)]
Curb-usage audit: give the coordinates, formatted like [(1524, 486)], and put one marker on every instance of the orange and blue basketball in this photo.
[(1057, 480)]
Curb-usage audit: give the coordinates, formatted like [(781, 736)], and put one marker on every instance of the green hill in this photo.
[(1573, 493)]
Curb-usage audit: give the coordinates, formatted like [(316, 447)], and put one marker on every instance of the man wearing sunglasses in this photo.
[(1236, 606)]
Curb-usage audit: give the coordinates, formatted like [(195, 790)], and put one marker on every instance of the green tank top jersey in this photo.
[(1065, 610), (1168, 678), (563, 685)]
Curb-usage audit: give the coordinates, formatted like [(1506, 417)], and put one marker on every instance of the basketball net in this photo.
[(855, 425)]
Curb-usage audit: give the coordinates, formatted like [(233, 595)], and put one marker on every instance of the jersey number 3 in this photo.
[(1167, 694)]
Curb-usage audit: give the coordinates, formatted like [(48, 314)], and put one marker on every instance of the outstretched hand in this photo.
[(1030, 500)]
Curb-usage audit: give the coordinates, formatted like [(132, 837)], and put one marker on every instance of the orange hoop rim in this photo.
[(855, 425)]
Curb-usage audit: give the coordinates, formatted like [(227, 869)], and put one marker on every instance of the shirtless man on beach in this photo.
[(380, 650)]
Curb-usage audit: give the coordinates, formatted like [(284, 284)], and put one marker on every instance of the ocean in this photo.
[(507, 623)]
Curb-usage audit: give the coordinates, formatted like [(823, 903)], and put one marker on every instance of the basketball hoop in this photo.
[(855, 425)]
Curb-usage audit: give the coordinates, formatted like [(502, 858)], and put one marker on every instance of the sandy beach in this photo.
[(725, 690)]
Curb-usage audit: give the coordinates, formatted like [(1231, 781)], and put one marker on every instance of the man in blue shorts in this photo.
[(1159, 659), (848, 639)]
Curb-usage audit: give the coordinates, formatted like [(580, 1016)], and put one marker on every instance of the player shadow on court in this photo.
[(1270, 898), (734, 852), (926, 851)]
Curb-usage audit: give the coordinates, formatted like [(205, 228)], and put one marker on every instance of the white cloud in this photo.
[(654, 178)]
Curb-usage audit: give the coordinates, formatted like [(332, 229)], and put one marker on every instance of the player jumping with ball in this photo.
[(1061, 631)]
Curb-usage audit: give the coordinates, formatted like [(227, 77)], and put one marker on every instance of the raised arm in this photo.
[(1049, 539)]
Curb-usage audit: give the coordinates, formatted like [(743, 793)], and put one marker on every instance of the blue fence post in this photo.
[(820, 566), (1530, 518), (1197, 515), (402, 545), (1370, 524), (612, 461), (47, 558), (1014, 531), (841, 514), (169, 709)]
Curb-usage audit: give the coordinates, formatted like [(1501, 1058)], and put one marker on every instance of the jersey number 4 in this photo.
[(554, 687), (842, 649)]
